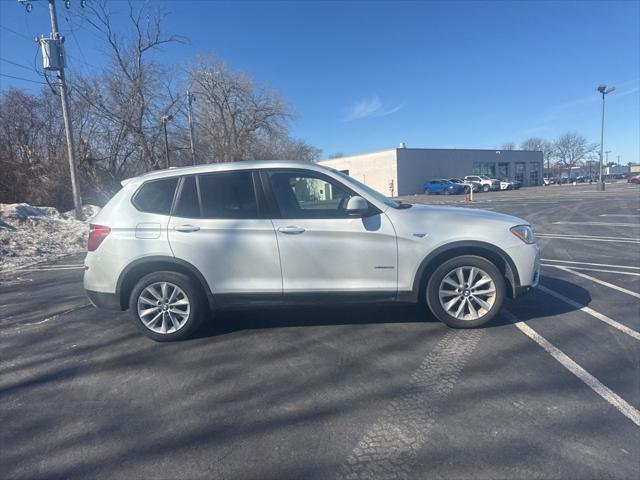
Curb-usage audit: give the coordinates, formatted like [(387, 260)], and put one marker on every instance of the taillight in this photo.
[(97, 233)]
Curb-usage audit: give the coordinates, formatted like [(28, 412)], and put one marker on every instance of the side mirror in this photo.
[(357, 205)]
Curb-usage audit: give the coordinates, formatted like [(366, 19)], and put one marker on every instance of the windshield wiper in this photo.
[(403, 205)]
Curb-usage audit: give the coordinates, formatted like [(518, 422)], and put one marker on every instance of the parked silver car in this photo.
[(173, 244)]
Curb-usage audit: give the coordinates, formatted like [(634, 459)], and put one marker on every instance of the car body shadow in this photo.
[(540, 304), (535, 304), (226, 322)]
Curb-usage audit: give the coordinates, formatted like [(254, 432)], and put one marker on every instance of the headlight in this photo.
[(524, 233)]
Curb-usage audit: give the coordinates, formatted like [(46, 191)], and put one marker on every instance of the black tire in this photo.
[(486, 188), (446, 191), (467, 189), (193, 294), (433, 287)]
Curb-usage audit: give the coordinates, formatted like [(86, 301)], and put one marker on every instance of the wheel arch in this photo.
[(494, 254), (137, 269)]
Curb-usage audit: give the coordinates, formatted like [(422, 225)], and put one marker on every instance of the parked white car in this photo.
[(469, 186), (174, 244), (506, 185), (487, 183)]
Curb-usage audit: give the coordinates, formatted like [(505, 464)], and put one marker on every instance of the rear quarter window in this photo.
[(156, 196)]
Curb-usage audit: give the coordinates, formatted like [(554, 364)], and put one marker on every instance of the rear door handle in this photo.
[(186, 228), (291, 230)]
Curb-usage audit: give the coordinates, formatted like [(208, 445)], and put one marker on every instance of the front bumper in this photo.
[(526, 259), (106, 301)]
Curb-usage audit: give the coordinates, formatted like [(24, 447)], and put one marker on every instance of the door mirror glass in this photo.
[(357, 205)]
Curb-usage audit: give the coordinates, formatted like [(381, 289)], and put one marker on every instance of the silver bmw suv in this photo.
[(173, 245)]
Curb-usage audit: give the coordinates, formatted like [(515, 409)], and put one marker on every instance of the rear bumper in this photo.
[(106, 301)]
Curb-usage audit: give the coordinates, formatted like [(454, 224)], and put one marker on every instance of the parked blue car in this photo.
[(443, 187)]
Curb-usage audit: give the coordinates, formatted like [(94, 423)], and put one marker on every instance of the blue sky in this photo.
[(365, 76)]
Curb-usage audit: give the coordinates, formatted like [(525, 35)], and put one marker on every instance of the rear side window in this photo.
[(156, 196), (188, 205), (228, 195)]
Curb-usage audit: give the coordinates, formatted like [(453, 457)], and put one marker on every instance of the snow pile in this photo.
[(31, 234)]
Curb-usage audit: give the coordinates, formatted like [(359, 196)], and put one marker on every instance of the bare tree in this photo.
[(538, 144), (116, 117), (236, 119), (570, 149), (135, 91), (508, 146)]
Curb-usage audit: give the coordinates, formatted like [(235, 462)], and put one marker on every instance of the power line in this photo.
[(21, 78), (16, 64), (16, 33)]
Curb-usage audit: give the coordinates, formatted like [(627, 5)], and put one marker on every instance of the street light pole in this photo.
[(164, 120), (603, 90), (190, 98)]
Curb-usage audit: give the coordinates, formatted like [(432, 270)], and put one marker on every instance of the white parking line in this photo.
[(607, 394), (623, 328), (586, 236), (600, 224), (588, 263), (597, 280), (619, 215), (585, 239), (595, 270)]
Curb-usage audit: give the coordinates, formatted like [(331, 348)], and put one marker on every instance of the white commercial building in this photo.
[(403, 171)]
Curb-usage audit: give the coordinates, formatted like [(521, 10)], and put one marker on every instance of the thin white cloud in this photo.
[(556, 112), (369, 107), (624, 93)]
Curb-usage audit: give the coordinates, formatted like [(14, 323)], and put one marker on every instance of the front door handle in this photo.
[(291, 230), (186, 228)]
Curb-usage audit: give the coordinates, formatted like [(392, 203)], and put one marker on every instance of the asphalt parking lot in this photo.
[(551, 389)]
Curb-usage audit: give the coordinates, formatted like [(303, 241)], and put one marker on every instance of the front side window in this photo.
[(370, 191), (228, 195), (156, 196), (307, 195)]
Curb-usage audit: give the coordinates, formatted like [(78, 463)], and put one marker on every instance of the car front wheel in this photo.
[(465, 292), (486, 188), (166, 306)]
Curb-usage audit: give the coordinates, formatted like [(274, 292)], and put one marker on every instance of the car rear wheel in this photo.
[(166, 306), (465, 292), (446, 191), (486, 188)]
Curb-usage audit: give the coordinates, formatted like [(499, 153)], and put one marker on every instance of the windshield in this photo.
[(370, 191)]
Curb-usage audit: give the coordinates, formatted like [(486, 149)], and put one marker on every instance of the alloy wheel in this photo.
[(163, 307), (467, 293)]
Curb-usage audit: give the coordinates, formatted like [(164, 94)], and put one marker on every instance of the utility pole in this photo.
[(191, 98), (603, 90), (57, 63), (164, 120)]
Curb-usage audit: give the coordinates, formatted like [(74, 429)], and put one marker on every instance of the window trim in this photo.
[(176, 201), (173, 200), (275, 208)]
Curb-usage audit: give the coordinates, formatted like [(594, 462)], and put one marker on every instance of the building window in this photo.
[(484, 168), (534, 173), (520, 172), (503, 170)]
